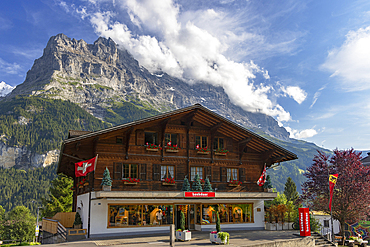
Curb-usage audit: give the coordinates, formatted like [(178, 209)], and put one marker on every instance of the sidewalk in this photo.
[(237, 238)]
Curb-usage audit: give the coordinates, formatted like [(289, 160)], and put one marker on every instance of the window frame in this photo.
[(218, 143), (232, 172), (156, 142), (130, 171), (201, 141), (197, 168), (167, 171), (170, 139)]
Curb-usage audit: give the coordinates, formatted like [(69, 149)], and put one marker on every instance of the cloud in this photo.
[(317, 95), (351, 62), (301, 134), (295, 92), (191, 45), (9, 68)]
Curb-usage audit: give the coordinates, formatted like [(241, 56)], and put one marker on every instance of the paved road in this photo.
[(237, 238)]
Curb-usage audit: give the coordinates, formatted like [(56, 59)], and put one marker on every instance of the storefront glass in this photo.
[(228, 213)]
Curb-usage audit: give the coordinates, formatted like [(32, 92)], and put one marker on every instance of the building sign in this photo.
[(304, 222), (200, 194)]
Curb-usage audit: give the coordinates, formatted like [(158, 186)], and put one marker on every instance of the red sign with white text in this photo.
[(304, 222), (200, 194)]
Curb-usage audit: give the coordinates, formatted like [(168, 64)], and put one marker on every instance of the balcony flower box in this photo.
[(168, 181), (202, 150), (130, 181), (234, 183), (172, 148), (183, 235), (221, 154), (221, 151), (219, 238), (152, 147)]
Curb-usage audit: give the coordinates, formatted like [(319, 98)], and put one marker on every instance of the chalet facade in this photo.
[(146, 191)]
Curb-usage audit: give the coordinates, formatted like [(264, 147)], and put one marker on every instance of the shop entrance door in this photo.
[(192, 217), (189, 213)]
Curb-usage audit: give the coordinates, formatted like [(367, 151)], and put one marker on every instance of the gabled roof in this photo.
[(208, 118)]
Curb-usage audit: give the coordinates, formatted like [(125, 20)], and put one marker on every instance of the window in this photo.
[(170, 138), (196, 170), (229, 213), (130, 171), (218, 143), (151, 138), (119, 140), (232, 174), (202, 141), (167, 172), (326, 223)]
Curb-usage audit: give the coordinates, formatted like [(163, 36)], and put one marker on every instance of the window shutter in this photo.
[(117, 167), (156, 172), (139, 137), (242, 175), (223, 173), (229, 144), (208, 172), (142, 175)]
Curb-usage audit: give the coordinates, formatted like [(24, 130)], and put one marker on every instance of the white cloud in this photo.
[(182, 45), (9, 68), (351, 62), (301, 134), (317, 95), (295, 92)]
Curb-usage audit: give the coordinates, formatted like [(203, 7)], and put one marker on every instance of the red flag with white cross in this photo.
[(82, 168)]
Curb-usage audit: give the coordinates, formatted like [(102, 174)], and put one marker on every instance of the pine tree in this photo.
[(207, 185), (60, 197), (197, 185), (218, 223), (290, 190), (186, 185), (107, 181), (78, 220), (267, 184), (182, 221)]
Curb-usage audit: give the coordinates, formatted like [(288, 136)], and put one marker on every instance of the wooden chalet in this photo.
[(148, 160)]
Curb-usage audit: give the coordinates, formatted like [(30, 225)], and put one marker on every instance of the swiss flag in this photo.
[(261, 181), (84, 167)]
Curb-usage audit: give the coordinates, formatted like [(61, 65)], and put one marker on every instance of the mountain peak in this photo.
[(5, 89)]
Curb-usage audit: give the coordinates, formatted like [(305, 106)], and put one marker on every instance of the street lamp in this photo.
[(37, 225)]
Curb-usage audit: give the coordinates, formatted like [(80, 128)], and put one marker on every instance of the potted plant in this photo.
[(182, 234), (107, 181), (130, 181), (202, 150), (207, 186), (77, 224), (234, 183), (218, 236), (196, 186), (186, 185), (221, 151), (172, 148)]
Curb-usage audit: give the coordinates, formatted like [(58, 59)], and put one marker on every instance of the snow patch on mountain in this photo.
[(5, 89)]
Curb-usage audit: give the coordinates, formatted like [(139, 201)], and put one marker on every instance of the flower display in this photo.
[(222, 151), (199, 149), (152, 146), (235, 182), (82, 182), (169, 180), (131, 180), (202, 181), (172, 147)]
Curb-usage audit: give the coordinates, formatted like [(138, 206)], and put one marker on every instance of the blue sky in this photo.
[(306, 63)]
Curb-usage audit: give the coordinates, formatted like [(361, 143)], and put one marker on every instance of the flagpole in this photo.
[(330, 207)]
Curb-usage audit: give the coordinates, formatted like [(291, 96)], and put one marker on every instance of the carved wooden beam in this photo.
[(277, 159), (78, 145), (163, 126), (267, 154), (73, 157), (242, 145), (128, 134), (189, 117), (95, 143)]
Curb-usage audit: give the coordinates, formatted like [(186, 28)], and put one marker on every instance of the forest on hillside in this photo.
[(20, 187)]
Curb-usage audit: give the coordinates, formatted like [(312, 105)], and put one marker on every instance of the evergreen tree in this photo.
[(182, 221), (60, 196), (186, 185), (267, 184), (20, 224), (78, 220), (197, 185), (218, 223), (290, 190), (107, 181), (2, 222), (207, 185)]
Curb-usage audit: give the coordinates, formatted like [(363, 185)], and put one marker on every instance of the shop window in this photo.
[(151, 138), (202, 141), (172, 138), (232, 174), (167, 172), (130, 171), (228, 213), (196, 170), (218, 143), (140, 215)]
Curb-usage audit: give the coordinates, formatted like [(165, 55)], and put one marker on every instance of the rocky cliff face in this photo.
[(96, 76)]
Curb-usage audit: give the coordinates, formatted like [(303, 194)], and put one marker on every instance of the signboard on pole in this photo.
[(304, 222), (37, 231)]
